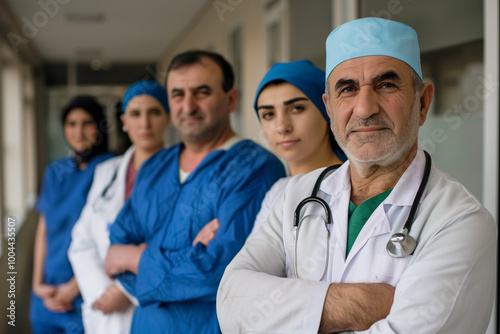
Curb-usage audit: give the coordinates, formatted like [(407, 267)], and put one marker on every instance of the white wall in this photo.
[(209, 31), (311, 24)]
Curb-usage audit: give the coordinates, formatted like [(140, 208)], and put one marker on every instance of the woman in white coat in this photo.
[(295, 123), (107, 308)]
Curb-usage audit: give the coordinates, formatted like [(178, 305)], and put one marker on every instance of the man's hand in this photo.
[(121, 258), (355, 307), (207, 233), (112, 300)]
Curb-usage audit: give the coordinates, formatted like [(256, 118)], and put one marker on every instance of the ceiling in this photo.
[(104, 30)]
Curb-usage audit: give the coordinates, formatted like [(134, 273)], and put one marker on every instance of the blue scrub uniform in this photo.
[(63, 195), (176, 284)]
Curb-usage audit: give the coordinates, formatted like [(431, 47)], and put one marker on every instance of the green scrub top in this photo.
[(359, 215)]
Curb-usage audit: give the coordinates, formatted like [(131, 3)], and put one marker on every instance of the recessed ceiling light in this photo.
[(85, 17), (89, 53)]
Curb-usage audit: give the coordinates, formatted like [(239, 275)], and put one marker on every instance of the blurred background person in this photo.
[(107, 308), (56, 302)]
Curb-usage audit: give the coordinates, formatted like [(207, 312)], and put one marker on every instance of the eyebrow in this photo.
[(286, 103), (292, 101), (264, 107), (390, 75), (344, 82), (200, 87)]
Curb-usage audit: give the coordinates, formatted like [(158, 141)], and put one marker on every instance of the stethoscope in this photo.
[(105, 196), (399, 245)]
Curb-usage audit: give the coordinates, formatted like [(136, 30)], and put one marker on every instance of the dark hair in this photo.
[(195, 56), (94, 109)]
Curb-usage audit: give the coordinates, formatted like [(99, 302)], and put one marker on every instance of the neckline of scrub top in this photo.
[(183, 175), (230, 143), (226, 146), (360, 214)]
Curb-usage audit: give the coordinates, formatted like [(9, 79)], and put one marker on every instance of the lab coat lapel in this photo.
[(377, 224), (336, 189), (382, 221)]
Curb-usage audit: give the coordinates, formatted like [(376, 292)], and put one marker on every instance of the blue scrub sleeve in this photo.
[(167, 275), (127, 230), (53, 176), (45, 192)]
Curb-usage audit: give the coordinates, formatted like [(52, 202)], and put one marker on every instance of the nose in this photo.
[(81, 129), (366, 103), (146, 119), (283, 124), (189, 104)]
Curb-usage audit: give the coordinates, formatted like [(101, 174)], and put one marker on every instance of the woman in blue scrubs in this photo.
[(55, 303)]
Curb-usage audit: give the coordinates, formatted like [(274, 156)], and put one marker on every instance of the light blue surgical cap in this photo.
[(372, 36), (146, 87)]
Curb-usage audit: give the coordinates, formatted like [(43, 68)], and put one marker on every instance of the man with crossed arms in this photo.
[(377, 101)]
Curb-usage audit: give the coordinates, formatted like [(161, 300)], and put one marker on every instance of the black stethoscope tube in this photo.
[(399, 245)]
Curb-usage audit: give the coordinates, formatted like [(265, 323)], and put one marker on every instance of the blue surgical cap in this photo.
[(303, 75), (373, 36), (146, 87)]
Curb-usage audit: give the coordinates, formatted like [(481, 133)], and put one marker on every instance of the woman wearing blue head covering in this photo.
[(107, 308), (295, 123), (55, 303)]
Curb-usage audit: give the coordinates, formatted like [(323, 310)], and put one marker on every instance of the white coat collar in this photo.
[(336, 189), (338, 183)]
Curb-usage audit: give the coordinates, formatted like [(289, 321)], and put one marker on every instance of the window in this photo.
[(276, 19), (234, 38)]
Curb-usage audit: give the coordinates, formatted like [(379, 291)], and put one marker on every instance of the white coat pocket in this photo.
[(387, 269)]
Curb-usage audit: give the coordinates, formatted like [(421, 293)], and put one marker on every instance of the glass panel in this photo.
[(274, 46), (235, 41), (451, 41)]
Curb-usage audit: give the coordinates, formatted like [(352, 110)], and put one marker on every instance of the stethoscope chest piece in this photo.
[(401, 245)]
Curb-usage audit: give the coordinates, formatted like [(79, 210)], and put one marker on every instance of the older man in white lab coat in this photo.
[(336, 275)]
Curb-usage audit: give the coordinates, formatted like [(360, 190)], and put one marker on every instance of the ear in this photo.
[(426, 95), (232, 95), (325, 101), (123, 119)]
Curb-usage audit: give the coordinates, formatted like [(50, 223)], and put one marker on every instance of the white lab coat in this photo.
[(269, 201), (446, 286), (90, 243)]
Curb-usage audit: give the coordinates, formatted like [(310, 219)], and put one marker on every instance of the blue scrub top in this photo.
[(177, 283), (63, 195)]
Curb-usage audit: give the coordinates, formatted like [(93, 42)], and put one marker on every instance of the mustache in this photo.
[(368, 122), (192, 113)]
